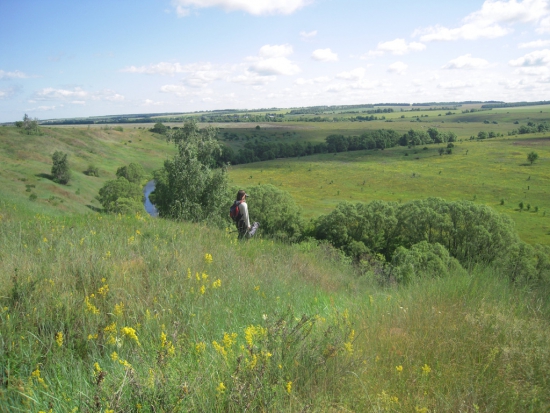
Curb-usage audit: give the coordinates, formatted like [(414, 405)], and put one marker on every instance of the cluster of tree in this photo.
[(432, 236), (29, 125), (514, 104), (531, 127), (123, 195), (486, 135)]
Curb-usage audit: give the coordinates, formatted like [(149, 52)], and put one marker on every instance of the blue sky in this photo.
[(62, 58)]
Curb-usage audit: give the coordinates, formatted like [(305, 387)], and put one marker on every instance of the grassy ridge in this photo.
[(105, 313)]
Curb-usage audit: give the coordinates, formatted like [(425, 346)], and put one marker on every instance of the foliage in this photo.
[(422, 260), (92, 170), (159, 128), (189, 187), (60, 168), (471, 233), (134, 173), (532, 157), (121, 196), (276, 211)]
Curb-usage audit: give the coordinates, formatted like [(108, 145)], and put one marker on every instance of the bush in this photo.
[(60, 168), (92, 171), (121, 196), (423, 260), (276, 211), (134, 173)]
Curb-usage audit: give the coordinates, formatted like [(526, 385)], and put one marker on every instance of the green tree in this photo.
[(189, 186), (159, 128), (30, 125), (532, 157), (133, 173), (60, 168), (276, 211), (121, 196)]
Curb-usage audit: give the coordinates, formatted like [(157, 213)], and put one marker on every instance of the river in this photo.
[(149, 207)]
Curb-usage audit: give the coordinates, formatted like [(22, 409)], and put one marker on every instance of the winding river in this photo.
[(149, 207)]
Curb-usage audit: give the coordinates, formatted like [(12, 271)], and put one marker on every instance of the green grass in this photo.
[(257, 317), (481, 171)]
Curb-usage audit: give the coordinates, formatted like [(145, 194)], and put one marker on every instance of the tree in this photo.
[(121, 196), (60, 168), (532, 157), (159, 128), (133, 173), (30, 125), (189, 186)]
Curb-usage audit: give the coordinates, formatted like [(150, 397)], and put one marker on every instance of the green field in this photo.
[(109, 313)]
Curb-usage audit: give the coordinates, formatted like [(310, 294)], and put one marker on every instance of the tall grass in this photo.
[(111, 313)]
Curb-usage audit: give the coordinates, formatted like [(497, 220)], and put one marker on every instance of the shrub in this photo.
[(60, 168), (121, 196), (133, 173), (92, 170)]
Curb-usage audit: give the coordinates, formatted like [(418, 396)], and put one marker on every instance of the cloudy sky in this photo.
[(66, 58)]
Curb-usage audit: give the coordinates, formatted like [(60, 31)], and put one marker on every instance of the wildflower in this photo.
[(92, 336), (200, 347), (111, 328), (399, 368), (151, 379), (59, 338), (288, 387), (119, 309), (188, 273), (203, 289), (219, 348), (204, 276), (97, 367), (138, 232), (208, 258), (254, 332), (421, 409), (89, 305), (229, 339), (103, 290), (45, 239), (257, 288), (114, 356), (221, 388), (108, 254), (125, 364), (163, 339), (217, 284), (426, 369), (130, 333), (252, 363)]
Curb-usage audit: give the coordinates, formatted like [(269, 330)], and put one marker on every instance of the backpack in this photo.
[(234, 212)]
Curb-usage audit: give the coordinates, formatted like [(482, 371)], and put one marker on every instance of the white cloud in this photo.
[(398, 67), (536, 58), (397, 47), (149, 102), (46, 108), (466, 62), (255, 7), (534, 44), (17, 74), (533, 71), (455, 84), (355, 74), (162, 68), (272, 61), (252, 78), (275, 66), (177, 90), (50, 93), (320, 79), (78, 102), (488, 22), (282, 50), (9, 92), (324, 55), (308, 35)]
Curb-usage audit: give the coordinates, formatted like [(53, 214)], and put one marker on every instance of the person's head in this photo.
[(241, 195)]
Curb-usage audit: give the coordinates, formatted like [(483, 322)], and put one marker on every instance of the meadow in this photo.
[(111, 313)]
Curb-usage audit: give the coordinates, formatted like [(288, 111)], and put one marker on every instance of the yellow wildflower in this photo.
[(251, 333), (103, 290), (288, 387), (163, 339), (229, 339), (252, 363), (114, 356), (119, 309), (59, 338), (426, 369), (97, 367), (130, 333), (399, 368), (90, 307), (221, 388), (219, 348), (217, 284), (200, 347), (203, 289), (208, 258), (422, 410), (111, 328)]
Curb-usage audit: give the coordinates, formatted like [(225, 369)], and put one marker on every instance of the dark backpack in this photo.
[(234, 212)]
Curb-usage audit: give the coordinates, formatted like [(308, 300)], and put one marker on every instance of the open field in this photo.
[(481, 171)]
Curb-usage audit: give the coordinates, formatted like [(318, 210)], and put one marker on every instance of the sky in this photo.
[(66, 58)]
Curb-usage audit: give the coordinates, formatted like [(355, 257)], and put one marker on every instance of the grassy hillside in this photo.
[(26, 162), (115, 314)]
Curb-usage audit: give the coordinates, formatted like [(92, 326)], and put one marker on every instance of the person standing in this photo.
[(243, 223)]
